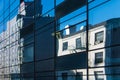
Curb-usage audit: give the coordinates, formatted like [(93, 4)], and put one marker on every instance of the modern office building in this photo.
[(33, 44), (59, 40)]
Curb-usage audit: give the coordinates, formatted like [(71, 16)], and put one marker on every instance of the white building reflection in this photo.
[(102, 54)]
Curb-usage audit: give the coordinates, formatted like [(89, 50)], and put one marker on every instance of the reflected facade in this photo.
[(60, 40)]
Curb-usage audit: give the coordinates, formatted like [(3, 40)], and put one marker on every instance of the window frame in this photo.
[(80, 44), (27, 58), (96, 37), (98, 75), (65, 46), (98, 57)]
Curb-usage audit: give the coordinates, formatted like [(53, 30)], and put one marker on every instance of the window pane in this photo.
[(78, 43), (98, 57), (98, 75), (99, 37), (65, 46), (28, 53)]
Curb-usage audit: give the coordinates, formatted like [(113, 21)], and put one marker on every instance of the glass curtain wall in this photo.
[(59, 40)]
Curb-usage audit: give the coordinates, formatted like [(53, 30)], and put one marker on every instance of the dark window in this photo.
[(64, 76), (78, 43), (28, 53), (98, 57), (65, 46), (99, 75), (99, 37), (79, 76)]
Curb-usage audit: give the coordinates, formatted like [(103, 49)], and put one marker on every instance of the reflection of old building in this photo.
[(9, 50), (101, 54)]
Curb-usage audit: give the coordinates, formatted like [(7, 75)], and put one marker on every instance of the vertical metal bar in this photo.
[(3, 40), (19, 39), (87, 41), (55, 52), (9, 39), (34, 38)]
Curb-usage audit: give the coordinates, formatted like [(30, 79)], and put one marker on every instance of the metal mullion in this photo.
[(87, 39), (34, 40), (45, 59), (55, 42), (9, 39)]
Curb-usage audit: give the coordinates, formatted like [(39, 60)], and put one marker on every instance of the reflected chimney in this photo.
[(67, 31)]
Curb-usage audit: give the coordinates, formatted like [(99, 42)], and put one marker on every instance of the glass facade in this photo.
[(59, 40)]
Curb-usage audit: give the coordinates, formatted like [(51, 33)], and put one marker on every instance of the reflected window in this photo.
[(28, 53), (98, 75), (79, 76), (99, 37), (98, 57), (78, 43), (64, 76), (65, 46)]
